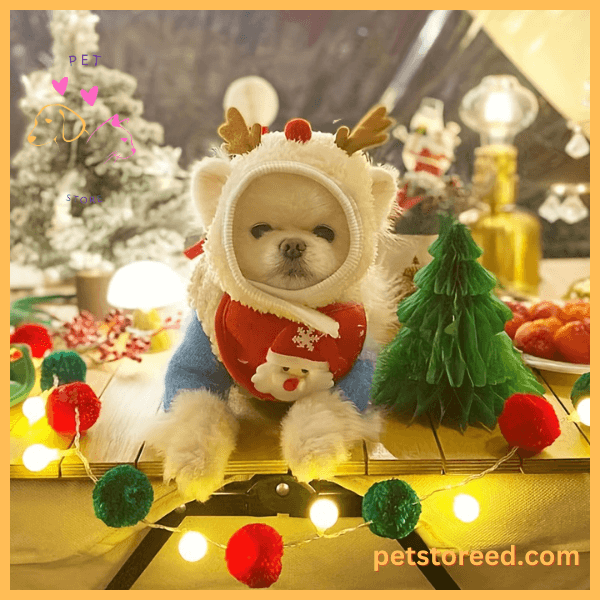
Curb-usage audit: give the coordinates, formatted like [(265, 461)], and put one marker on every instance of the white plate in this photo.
[(544, 364), (556, 366)]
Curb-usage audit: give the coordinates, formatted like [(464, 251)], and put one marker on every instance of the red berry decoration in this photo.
[(298, 130), (35, 336), (529, 422), (60, 407), (254, 554)]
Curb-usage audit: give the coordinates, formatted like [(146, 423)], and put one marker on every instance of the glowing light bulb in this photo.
[(583, 411), (38, 457), (466, 508), (192, 546), (34, 408), (324, 514), (498, 108)]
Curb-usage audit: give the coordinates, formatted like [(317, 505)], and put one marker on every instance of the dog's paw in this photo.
[(195, 438), (319, 432)]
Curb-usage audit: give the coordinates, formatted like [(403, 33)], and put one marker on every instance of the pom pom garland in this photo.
[(35, 336), (67, 365), (298, 130), (393, 507), (254, 554), (529, 422), (122, 497), (61, 403)]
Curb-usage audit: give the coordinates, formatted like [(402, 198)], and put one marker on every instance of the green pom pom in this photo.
[(581, 387), (122, 497), (67, 365), (393, 507)]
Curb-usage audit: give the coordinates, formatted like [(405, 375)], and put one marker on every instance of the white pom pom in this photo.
[(255, 98)]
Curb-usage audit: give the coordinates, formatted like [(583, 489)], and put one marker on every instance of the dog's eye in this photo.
[(285, 368), (260, 229), (324, 232), (305, 370)]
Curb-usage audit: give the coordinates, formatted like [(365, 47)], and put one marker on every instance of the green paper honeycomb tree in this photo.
[(452, 358)]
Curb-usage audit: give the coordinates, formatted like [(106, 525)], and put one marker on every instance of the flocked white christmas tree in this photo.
[(145, 211)]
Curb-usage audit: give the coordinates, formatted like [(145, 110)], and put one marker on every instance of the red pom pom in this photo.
[(254, 554), (35, 336), (529, 422), (60, 407), (298, 130)]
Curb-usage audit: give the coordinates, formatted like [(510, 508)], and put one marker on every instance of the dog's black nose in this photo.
[(292, 248)]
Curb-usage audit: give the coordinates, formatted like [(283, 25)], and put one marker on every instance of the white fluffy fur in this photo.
[(320, 430), (293, 206), (196, 438)]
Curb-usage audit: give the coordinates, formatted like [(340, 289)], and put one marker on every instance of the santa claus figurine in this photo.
[(428, 152)]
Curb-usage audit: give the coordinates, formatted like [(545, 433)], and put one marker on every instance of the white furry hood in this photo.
[(365, 192)]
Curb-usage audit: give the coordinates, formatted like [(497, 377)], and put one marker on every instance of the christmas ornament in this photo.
[(60, 408), (452, 358), (35, 336), (67, 366), (393, 507), (254, 554), (529, 422), (22, 373), (82, 330), (122, 497)]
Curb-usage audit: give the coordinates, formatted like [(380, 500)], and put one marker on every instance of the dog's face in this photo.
[(289, 232)]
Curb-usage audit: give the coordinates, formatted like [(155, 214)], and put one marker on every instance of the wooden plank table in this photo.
[(131, 392)]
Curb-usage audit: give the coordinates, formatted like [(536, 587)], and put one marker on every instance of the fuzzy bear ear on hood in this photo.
[(384, 191), (208, 178)]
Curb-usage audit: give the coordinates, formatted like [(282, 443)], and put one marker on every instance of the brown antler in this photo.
[(371, 131), (240, 139)]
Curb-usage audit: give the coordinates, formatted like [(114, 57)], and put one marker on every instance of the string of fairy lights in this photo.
[(123, 496)]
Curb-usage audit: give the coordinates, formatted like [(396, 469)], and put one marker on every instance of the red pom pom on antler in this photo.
[(298, 130)]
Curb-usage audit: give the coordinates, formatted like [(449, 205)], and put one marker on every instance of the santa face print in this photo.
[(289, 232)]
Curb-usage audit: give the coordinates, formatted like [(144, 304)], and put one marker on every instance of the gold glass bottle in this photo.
[(509, 237)]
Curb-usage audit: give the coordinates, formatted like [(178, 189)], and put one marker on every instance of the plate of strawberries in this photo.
[(552, 336)]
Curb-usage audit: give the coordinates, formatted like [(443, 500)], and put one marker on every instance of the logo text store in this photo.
[(84, 199)]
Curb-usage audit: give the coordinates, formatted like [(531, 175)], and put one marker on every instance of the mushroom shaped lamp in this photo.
[(143, 286)]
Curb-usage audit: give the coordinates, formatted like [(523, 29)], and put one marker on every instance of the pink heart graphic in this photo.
[(62, 86), (90, 97)]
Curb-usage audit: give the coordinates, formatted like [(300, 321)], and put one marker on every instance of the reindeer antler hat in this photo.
[(337, 162)]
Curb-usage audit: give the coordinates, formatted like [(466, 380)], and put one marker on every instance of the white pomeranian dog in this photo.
[(289, 232)]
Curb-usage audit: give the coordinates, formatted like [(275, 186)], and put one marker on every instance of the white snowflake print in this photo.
[(306, 338)]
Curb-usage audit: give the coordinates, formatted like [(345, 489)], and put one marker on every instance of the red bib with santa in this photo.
[(278, 359)]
